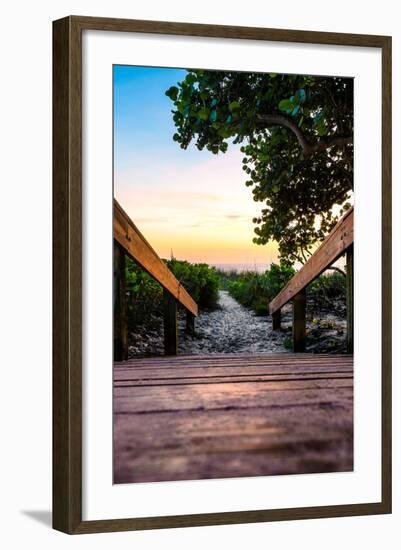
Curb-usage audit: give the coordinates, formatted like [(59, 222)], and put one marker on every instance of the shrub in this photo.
[(200, 280), (144, 294), (327, 293), (226, 277), (255, 290)]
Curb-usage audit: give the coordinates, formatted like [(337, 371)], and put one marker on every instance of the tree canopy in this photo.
[(296, 134)]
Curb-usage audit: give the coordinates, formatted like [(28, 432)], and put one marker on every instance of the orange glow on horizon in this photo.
[(201, 214)]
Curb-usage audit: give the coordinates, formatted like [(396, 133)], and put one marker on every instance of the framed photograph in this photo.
[(222, 274)]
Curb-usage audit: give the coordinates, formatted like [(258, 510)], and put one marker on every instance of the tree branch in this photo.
[(307, 148), (324, 144), (334, 268)]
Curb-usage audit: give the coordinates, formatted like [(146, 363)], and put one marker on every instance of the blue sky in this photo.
[(190, 201), (143, 123)]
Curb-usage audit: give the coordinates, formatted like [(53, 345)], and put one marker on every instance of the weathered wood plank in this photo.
[(233, 360), (137, 247), (229, 379), (267, 418), (231, 395), (217, 444), (239, 356), (208, 372), (286, 358), (335, 244), (231, 434), (221, 368), (190, 369)]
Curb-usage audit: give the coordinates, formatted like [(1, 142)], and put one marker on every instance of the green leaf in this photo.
[(172, 93), (213, 115), (224, 132), (234, 105), (286, 106), (301, 96), (191, 78), (203, 114)]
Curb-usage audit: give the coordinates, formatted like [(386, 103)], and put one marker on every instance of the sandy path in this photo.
[(231, 328)]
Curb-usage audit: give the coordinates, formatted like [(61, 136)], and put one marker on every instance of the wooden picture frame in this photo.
[(67, 274)]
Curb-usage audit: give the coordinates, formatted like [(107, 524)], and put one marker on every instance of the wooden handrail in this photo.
[(335, 244), (137, 247)]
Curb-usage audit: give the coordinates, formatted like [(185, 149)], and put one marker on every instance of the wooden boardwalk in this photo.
[(198, 417)]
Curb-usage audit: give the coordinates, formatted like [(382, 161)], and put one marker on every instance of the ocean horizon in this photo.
[(252, 266)]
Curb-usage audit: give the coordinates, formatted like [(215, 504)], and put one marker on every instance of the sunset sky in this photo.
[(190, 202)]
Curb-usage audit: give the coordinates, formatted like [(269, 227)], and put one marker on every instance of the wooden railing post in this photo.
[(350, 299), (333, 247), (277, 320), (190, 323), (299, 321), (120, 305), (170, 323)]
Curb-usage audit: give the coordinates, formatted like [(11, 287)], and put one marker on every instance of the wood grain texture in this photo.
[(192, 421), (228, 31), (137, 247), (334, 245), (231, 359), (67, 275), (386, 273)]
